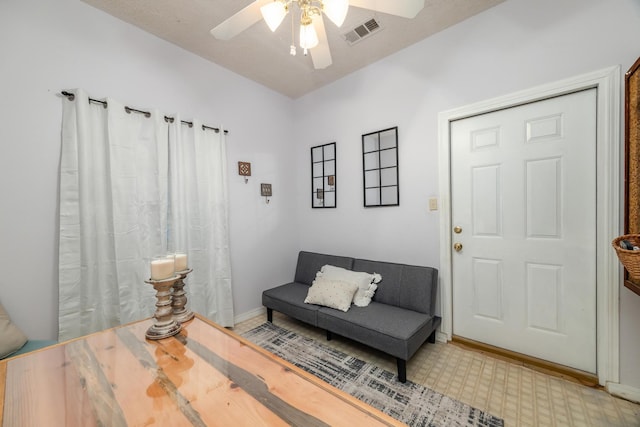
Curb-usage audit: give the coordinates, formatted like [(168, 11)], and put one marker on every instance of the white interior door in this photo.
[(523, 207)]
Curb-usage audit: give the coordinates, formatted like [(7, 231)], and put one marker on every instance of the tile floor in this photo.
[(519, 395)]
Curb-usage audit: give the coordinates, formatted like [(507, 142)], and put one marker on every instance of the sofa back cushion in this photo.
[(309, 263), (407, 286), (388, 291)]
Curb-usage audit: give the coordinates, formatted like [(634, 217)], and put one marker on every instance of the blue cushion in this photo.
[(32, 345)]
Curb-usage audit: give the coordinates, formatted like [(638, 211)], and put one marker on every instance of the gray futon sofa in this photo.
[(399, 319)]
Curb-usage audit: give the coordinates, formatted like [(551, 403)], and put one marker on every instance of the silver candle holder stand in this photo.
[(179, 299), (164, 325), (171, 306)]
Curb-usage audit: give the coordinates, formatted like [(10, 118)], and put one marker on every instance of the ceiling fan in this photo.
[(312, 35)]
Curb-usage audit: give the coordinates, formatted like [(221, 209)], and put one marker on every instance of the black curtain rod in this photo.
[(70, 96)]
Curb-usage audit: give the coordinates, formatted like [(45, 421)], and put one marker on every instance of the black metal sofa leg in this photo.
[(329, 336), (270, 315), (402, 370), (432, 338)]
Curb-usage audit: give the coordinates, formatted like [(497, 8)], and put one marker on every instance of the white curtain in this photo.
[(199, 216), (116, 202)]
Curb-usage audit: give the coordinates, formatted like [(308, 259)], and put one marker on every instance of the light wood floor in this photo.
[(519, 395)]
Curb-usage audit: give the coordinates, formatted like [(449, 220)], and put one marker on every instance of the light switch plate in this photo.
[(433, 204)]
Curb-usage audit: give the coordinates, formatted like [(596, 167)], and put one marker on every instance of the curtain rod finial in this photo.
[(70, 96)]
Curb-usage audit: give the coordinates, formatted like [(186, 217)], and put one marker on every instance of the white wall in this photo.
[(513, 46), (46, 47)]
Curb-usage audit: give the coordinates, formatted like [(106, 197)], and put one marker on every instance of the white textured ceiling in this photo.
[(263, 56)]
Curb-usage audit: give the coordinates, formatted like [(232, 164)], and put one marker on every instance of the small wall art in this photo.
[(244, 169), (265, 191)]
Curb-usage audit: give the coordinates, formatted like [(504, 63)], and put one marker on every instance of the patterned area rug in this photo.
[(410, 403)]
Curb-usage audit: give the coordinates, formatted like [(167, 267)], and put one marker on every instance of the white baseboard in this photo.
[(441, 337), (624, 391), (249, 314)]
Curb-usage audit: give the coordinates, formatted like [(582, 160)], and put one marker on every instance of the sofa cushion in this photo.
[(388, 287), (331, 293), (371, 326), (309, 263), (366, 282), (11, 337), (33, 345), (289, 299), (419, 288), (407, 286)]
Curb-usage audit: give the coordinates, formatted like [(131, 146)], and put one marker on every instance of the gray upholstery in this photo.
[(398, 321), (372, 325), (289, 299), (310, 263), (388, 288), (406, 286)]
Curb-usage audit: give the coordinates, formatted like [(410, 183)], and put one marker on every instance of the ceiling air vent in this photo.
[(362, 31)]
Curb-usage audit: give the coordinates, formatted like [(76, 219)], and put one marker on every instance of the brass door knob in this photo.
[(457, 247), (457, 229)]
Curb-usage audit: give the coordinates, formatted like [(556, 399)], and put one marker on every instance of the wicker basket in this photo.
[(630, 259)]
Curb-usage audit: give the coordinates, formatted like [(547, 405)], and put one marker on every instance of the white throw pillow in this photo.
[(362, 298), (331, 293), (11, 338), (366, 282)]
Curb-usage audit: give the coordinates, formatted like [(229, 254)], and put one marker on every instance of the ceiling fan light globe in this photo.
[(273, 14), (336, 10), (308, 36)]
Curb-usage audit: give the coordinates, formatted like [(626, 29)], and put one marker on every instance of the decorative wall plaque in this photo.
[(244, 169), (265, 190)]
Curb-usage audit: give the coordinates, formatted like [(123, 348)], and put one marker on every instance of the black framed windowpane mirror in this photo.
[(380, 168), (323, 176)]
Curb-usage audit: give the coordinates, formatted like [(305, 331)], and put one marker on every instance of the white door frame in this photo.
[(608, 271)]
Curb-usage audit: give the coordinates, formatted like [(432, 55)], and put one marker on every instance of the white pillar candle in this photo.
[(181, 261), (162, 268)]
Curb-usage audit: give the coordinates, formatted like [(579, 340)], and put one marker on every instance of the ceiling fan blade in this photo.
[(320, 55), (403, 8), (239, 22)]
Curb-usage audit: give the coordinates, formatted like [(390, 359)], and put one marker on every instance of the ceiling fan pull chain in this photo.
[(292, 48)]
